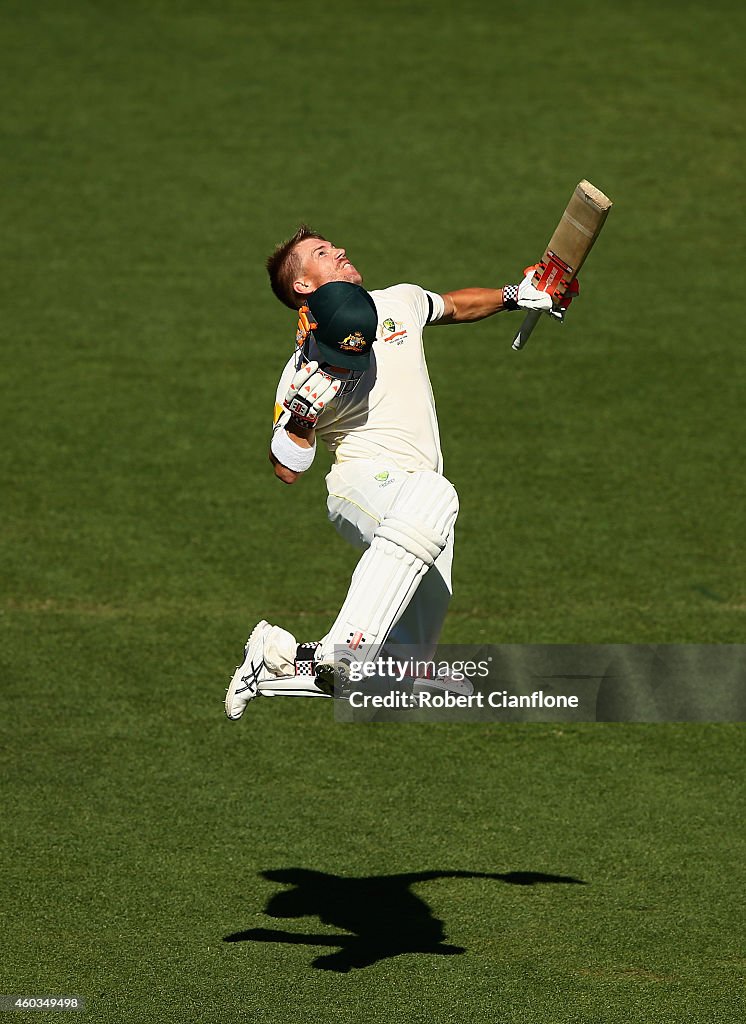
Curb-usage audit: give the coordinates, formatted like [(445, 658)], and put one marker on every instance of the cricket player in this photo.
[(358, 382)]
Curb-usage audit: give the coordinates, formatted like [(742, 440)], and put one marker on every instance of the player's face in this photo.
[(321, 262)]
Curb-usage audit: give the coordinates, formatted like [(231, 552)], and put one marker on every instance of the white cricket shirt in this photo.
[(390, 416)]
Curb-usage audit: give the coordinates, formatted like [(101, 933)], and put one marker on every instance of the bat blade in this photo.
[(568, 249)]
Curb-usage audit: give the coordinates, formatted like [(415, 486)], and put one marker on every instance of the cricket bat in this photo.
[(568, 248)]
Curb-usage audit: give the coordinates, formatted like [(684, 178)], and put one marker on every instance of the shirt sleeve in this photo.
[(436, 307), (427, 306)]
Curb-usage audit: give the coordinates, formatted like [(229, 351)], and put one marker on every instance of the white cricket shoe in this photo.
[(244, 685)]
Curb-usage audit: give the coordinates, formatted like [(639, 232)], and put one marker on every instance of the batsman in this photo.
[(357, 381)]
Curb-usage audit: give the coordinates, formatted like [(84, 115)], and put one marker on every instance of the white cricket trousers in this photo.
[(360, 493)]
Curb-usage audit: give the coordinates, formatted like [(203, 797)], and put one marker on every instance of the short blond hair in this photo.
[(284, 266)]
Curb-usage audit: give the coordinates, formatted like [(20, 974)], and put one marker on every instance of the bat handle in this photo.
[(529, 322)]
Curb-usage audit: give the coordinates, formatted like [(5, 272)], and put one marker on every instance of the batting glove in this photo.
[(525, 296), (531, 298), (309, 393)]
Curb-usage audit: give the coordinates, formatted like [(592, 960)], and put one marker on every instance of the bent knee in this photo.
[(422, 517)]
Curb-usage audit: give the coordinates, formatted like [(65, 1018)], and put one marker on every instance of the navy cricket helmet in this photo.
[(346, 324)]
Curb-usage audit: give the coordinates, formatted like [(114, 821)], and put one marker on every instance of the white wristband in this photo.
[(291, 454)]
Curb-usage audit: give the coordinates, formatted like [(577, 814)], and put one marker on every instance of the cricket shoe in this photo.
[(274, 665), (244, 685)]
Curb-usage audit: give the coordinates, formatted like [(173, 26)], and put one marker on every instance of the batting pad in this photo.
[(291, 686), (406, 543)]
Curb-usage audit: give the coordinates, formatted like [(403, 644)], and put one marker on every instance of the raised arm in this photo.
[(469, 304)]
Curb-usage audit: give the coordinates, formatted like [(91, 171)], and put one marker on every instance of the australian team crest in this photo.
[(393, 331), (354, 342)]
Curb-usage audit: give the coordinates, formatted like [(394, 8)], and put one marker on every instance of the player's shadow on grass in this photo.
[(381, 915)]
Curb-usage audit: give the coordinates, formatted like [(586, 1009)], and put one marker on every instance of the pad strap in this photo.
[(305, 659)]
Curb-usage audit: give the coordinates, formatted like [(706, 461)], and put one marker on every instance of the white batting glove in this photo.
[(309, 393), (530, 297)]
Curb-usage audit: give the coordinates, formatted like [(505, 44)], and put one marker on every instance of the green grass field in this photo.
[(152, 156)]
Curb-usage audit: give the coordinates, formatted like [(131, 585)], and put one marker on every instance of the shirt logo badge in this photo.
[(393, 331)]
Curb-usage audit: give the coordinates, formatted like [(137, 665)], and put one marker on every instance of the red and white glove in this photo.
[(530, 297), (526, 296), (309, 393)]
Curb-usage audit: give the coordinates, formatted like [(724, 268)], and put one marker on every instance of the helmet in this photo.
[(342, 321)]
